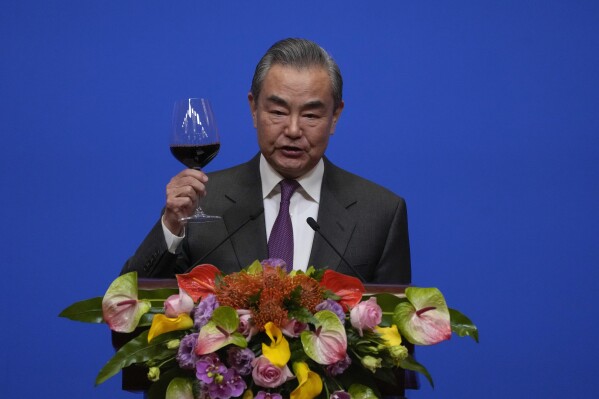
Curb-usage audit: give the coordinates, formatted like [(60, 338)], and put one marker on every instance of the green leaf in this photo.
[(180, 388), (359, 391), (410, 363), (88, 311), (462, 326), (157, 294), (255, 267), (138, 350), (158, 389), (387, 302)]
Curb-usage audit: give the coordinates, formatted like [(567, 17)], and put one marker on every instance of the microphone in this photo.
[(253, 216), (316, 227)]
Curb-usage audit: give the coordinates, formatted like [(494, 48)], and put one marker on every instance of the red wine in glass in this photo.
[(194, 141), (195, 156)]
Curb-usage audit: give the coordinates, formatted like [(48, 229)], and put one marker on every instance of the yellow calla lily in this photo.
[(310, 384), (390, 335), (278, 352), (162, 324)]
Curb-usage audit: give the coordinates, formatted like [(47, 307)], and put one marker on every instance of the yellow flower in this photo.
[(310, 384), (248, 395), (162, 324), (390, 335), (278, 353)]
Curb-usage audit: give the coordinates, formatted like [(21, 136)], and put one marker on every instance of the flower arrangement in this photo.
[(265, 334)]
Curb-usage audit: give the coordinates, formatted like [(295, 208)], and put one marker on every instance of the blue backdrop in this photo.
[(482, 114)]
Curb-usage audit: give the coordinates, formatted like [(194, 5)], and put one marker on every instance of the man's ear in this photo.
[(252, 103), (336, 116)]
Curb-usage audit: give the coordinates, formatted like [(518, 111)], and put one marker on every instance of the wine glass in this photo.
[(194, 141)]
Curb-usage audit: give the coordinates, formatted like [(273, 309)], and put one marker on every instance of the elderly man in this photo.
[(295, 102)]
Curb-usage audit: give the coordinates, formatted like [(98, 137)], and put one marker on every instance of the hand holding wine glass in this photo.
[(194, 142)]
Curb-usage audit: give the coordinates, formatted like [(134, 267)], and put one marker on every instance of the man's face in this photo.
[(294, 116)]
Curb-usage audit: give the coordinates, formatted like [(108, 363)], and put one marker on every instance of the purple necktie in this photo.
[(280, 242)]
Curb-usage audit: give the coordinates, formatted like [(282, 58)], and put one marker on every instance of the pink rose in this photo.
[(294, 328), (267, 375), (246, 327), (366, 315), (177, 304)]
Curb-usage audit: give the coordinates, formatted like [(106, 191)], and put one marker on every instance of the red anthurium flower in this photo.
[(199, 282), (349, 289)]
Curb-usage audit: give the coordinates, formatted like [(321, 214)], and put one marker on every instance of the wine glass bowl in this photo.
[(194, 141)]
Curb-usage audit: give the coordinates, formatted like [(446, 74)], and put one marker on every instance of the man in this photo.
[(295, 102)]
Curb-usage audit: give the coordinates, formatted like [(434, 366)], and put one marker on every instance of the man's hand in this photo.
[(183, 193)]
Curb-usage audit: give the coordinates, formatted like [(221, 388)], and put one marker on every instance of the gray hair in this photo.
[(299, 53)]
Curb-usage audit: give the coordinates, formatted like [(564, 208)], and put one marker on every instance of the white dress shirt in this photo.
[(303, 204)]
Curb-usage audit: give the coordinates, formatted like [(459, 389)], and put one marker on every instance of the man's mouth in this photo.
[(291, 151)]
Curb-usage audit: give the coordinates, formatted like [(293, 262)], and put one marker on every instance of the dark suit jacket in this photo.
[(365, 222)]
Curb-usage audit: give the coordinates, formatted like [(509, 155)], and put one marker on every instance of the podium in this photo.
[(134, 378)]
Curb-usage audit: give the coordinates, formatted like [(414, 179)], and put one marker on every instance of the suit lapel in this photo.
[(336, 223), (249, 243)]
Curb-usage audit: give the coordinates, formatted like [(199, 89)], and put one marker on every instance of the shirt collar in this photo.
[(310, 183)]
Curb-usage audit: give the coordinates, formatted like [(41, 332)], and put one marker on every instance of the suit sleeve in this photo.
[(152, 258), (394, 266)]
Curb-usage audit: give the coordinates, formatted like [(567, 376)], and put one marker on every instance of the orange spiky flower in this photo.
[(267, 293)]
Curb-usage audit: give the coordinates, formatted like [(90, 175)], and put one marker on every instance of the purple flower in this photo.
[(209, 367), (267, 395), (274, 262), (203, 311), (186, 356), (229, 385), (339, 367), (240, 359), (340, 395), (333, 306), (267, 375)]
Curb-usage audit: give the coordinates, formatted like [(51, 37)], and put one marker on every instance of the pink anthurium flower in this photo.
[(177, 304), (328, 343), (424, 318), (220, 331), (120, 307)]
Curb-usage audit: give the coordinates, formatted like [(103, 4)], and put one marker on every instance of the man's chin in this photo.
[(291, 170)]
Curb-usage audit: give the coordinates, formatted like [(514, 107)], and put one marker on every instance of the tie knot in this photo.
[(288, 187)]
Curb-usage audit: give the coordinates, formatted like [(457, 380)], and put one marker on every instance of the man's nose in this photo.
[(293, 127)]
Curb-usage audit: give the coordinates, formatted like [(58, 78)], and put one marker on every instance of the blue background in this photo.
[(482, 114)]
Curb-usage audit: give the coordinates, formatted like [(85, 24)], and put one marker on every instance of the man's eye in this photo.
[(310, 116), (277, 112)]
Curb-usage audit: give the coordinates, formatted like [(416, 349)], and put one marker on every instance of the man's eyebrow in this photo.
[(282, 102), (277, 100), (314, 104)]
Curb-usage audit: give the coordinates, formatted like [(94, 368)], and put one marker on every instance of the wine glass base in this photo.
[(203, 218)]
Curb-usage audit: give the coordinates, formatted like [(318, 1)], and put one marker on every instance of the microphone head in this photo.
[(313, 224)]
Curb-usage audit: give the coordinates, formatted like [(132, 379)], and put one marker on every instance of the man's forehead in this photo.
[(312, 82)]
